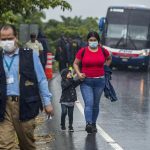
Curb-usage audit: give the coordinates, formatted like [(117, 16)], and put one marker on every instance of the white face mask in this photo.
[(93, 44), (8, 45)]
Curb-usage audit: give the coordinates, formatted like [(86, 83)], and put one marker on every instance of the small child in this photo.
[(68, 97)]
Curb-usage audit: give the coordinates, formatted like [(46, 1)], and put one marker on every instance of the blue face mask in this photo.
[(93, 44)]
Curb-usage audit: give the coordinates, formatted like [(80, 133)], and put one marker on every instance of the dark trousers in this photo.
[(66, 110)]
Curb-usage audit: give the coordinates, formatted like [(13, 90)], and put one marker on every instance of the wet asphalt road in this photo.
[(122, 125)]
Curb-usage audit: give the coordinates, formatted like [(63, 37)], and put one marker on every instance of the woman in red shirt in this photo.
[(92, 73)]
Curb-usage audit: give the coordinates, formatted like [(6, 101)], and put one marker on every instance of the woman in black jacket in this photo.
[(68, 97)]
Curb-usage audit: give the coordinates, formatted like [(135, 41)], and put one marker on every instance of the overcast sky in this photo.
[(91, 8)]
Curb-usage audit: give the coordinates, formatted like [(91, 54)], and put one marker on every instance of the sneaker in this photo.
[(63, 128), (94, 129), (71, 129), (88, 128)]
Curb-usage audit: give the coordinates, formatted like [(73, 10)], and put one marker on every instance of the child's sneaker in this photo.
[(63, 128), (71, 129)]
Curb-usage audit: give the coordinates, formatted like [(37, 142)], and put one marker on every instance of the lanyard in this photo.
[(9, 65)]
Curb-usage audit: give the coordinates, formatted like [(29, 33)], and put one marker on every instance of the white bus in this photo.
[(126, 33)]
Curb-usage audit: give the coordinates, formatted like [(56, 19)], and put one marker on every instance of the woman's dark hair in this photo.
[(7, 26), (93, 34)]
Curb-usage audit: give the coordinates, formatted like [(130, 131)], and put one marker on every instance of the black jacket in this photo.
[(68, 88), (61, 52), (109, 91), (29, 101)]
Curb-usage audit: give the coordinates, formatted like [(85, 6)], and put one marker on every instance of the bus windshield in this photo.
[(116, 31), (138, 32), (123, 31)]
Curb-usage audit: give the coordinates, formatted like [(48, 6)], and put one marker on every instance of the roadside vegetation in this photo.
[(31, 12)]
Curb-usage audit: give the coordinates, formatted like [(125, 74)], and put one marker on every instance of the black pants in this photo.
[(66, 110)]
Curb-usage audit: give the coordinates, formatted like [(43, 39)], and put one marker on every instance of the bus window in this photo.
[(138, 32), (116, 31)]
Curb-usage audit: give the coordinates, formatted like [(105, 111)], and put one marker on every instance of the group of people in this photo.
[(66, 50), (24, 88), (89, 67)]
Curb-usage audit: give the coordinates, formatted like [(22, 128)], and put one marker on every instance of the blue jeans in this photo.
[(64, 111), (92, 89)]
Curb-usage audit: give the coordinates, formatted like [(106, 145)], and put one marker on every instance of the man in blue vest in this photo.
[(23, 91)]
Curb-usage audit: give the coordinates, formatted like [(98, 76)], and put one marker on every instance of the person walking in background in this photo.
[(23, 91), (61, 53), (74, 49), (68, 97), (76, 44), (34, 44), (69, 51), (92, 73), (46, 47)]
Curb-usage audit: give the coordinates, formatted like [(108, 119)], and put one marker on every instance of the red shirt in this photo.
[(92, 62)]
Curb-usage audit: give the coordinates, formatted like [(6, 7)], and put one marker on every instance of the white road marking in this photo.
[(106, 136)]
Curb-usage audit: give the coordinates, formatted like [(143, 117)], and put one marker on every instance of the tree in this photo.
[(27, 7), (71, 27)]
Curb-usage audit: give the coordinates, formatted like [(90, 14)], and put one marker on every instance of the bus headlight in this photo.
[(145, 53)]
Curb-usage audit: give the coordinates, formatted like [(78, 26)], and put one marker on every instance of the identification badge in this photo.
[(10, 79)]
